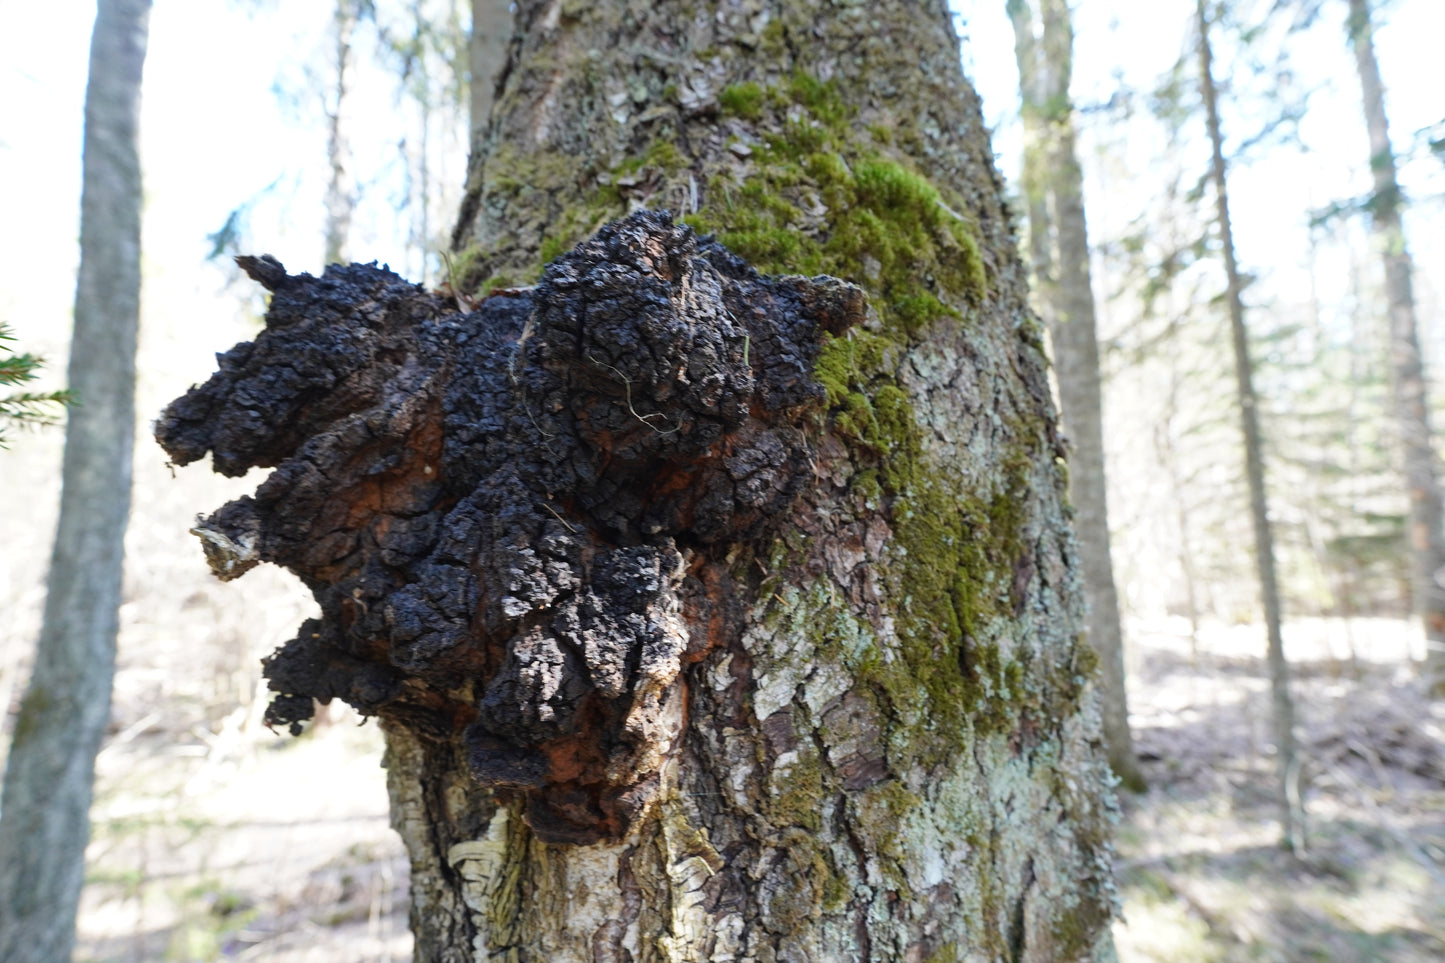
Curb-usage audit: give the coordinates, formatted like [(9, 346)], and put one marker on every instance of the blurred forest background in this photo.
[(339, 129)]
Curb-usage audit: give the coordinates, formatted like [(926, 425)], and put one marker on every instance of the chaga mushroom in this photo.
[(504, 513)]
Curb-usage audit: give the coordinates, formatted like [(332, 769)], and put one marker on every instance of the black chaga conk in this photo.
[(505, 515)]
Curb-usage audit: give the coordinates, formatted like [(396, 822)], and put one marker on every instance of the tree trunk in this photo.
[(1412, 410), (709, 616), (1286, 757), (486, 53), (340, 192), (1059, 245), (486, 59), (63, 717)]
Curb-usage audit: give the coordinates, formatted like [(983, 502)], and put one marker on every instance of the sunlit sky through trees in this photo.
[(1127, 46)]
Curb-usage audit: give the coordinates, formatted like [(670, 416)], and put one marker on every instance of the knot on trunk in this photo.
[(515, 519)]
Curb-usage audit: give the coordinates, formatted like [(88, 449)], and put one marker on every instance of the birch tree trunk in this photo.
[(45, 816), (340, 190), (486, 53), (1412, 410), (1287, 792), (709, 615), (1059, 249)]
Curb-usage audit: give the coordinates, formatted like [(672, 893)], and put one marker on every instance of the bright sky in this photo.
[(1137, 41), (215, 134), (211, 137)]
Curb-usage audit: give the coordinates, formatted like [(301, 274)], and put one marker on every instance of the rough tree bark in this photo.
[(51, 769), (1412, 410), (1059, 249), (1287, 790), (709, 616)]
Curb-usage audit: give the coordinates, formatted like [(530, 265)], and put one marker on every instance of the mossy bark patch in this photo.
[(816, 195)]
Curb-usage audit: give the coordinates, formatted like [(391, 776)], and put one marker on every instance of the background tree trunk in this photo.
[(1412, 411), (709, 617), (486, 57), (51, 768), (340, 191), (1059, 248), (486, 53), (1286, 755)]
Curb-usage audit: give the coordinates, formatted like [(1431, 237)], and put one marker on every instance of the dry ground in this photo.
[(236, 845), (212, 837), (1200, 870)]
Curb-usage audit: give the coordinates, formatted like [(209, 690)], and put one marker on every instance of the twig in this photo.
[(465, 304), (558, 517), (627, 386)]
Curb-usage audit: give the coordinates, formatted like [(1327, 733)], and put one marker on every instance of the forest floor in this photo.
[(234, 844), (1200, 869), (227, 842)]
